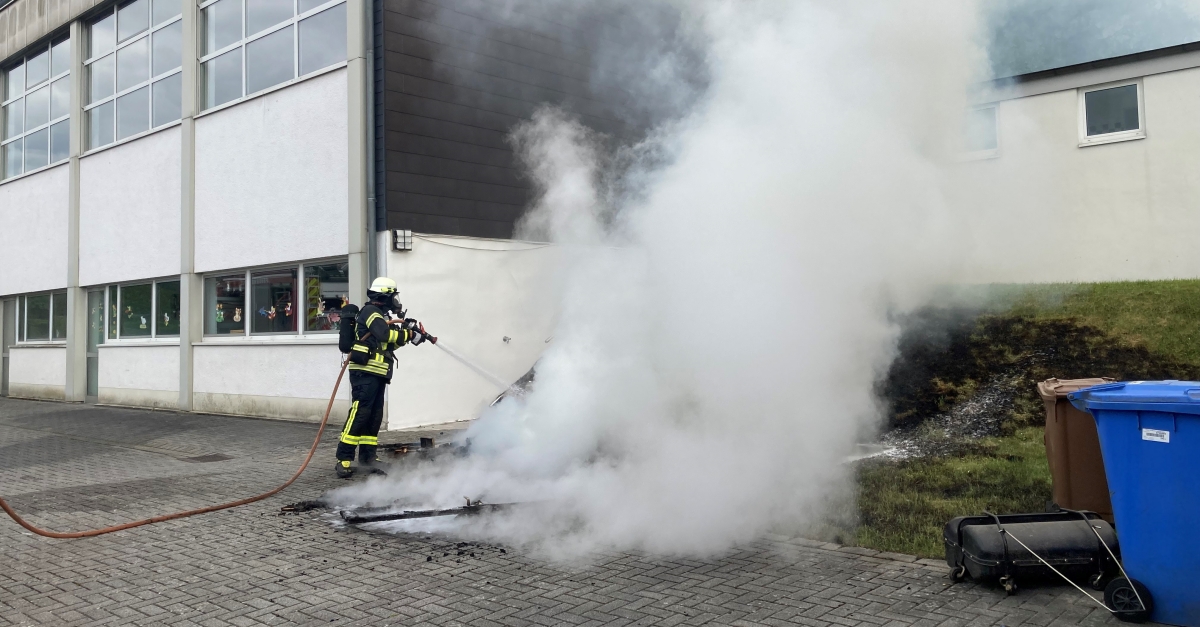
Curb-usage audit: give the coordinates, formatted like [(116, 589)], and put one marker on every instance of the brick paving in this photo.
[(72, 467)]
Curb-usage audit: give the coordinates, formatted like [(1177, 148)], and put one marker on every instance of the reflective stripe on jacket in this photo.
[(377, 340)]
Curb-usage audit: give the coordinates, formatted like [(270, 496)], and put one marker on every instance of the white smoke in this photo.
[(729, 282)]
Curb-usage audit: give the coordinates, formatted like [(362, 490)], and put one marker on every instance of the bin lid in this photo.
[(1052, 389), (1129, 395)]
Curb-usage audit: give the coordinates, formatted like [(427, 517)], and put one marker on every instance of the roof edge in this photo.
[(1146, 55)]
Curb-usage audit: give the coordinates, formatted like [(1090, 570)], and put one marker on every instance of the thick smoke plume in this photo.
[(730, 280)]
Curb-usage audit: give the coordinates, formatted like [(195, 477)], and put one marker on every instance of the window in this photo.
[(326, 290), (112, 312), (36, 109), (42, 317), (137, 311), (225, 302), (1111, 113), (166, 303), (272, 297), (251, 45), (142, 310), (275, 301), (134, 60), (979, 132)]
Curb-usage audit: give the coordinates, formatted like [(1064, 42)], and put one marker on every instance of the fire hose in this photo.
[(191, 512)]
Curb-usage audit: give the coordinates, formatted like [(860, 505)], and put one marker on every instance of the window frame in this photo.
[(299, 307), (989, 153), (154, 337), (46, 46), (148, 84), (1120, 136), (22, 320), (245, 40)]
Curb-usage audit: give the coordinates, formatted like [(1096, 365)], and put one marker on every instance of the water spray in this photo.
[(469, 364)]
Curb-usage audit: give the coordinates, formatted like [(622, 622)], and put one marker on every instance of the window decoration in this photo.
[(251, 45), (141, 311), (326, 291), (273, 294), (36, 109), (134, 75), (225, 297), (277, 299)]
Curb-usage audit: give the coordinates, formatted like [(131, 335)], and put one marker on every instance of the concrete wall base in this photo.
[(37, 391), (296, 409), (157, 399)]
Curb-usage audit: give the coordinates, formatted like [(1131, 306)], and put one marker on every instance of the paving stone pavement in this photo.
[(71, 467)]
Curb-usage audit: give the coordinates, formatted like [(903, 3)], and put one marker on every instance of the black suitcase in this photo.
[(976, 547)]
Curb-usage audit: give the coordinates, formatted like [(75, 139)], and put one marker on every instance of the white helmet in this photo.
[(383, 290), (382, 285)]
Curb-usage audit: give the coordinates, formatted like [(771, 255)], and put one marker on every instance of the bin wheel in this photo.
[(1010, 585), (958, 573), (1121, 596)]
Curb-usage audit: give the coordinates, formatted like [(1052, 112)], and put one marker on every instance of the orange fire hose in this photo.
[(192, 512)]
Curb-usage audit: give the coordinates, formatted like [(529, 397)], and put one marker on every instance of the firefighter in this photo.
[(376, 336)]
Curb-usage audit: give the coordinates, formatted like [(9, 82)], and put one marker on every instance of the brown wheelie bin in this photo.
[(1073, 449)]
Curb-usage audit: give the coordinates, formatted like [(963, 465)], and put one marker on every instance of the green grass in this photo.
[(1163, 316), (902, 506)]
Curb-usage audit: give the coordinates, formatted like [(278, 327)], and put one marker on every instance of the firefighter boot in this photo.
[(344, 470)]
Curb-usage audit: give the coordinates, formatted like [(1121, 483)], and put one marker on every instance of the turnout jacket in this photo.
[(376, 339)]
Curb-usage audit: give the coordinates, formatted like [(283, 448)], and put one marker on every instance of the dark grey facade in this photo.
[(453, 78)]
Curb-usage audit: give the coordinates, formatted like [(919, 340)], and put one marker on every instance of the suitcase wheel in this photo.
[(1010, 585), (958, 573), (1097, 582), (1122, 596)]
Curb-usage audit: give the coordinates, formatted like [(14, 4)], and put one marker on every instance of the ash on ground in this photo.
[(957, 430)]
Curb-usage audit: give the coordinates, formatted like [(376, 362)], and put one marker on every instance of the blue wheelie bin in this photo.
[(1150, 440)]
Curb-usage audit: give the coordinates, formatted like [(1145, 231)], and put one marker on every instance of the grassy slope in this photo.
[(1163, 316), (903, 506)]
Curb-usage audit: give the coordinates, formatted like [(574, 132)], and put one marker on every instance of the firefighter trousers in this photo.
[(366, 416)]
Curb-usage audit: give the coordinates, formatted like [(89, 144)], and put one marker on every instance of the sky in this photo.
[(1032, 35)]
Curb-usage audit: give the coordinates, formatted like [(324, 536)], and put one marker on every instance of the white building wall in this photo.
[(139, 375), (271, 177), (33, 232), (37, 372), (129, 210), (272, 377), (471, 294), (1120, 211)]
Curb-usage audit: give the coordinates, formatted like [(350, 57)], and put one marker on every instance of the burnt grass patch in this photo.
[(964, 413), (948, 357)]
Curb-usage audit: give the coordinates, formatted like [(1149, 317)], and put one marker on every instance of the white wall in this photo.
[(129, 210), (266, 378), (139, 375), (272, 177), (471, 294), (1120, 211), (33, 232), (37, 372)]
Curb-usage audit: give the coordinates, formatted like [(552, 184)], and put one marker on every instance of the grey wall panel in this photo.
[(446, 187), (425, 107), (457, 77), (448, 130), (425, 204), (447, 149), (454, 169)]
